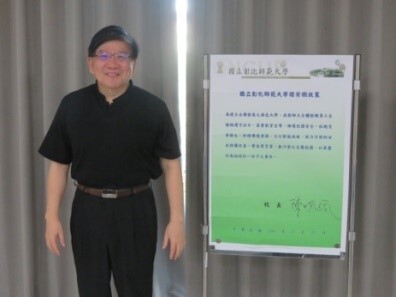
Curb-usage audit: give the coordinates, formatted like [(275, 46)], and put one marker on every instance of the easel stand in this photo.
[(352, 234)]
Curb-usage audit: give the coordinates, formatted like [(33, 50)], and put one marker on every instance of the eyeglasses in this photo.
[(120, 57)]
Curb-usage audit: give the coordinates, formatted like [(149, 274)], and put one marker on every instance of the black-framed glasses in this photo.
[(120, 57)]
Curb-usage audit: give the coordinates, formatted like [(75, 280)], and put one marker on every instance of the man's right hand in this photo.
[(53, 234), (56, 185)]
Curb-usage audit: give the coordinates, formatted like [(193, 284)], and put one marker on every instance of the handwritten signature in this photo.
[(321, 206)]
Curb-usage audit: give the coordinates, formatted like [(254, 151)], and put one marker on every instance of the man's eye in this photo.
[(104, 56), (122, 56)]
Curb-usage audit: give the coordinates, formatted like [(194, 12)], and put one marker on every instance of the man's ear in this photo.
[(90, 66), (133, 66)]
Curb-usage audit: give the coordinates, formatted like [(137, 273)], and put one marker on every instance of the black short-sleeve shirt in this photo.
[(111, 146)]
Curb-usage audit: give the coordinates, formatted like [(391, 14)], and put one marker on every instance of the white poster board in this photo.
[(279, 146)]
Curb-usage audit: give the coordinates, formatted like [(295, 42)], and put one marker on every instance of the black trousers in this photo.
[(114, 236)]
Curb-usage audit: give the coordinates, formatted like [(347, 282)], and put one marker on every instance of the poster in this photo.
[(279, 142)]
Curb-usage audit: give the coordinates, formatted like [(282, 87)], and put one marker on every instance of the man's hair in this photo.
[(110, 33)]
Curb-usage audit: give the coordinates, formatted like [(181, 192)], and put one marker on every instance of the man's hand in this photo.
[(56, 185), (53, 234), (175, 238), (174, 234)]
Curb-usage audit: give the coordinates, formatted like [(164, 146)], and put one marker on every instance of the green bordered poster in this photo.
[(279, 146)]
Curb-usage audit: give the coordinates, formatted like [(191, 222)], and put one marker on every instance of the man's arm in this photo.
[(56, 185), (174, 233)]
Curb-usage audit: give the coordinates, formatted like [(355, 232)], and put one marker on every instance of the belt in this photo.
[(112, 193)]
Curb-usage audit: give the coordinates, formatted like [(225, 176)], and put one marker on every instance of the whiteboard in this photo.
[(278, 148)]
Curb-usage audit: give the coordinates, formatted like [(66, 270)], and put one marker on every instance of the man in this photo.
[(115, 137)]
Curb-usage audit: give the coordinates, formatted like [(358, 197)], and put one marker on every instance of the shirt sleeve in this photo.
[(56, 144), (167, 140)]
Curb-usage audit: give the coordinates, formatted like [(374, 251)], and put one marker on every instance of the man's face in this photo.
[(111, 66)]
